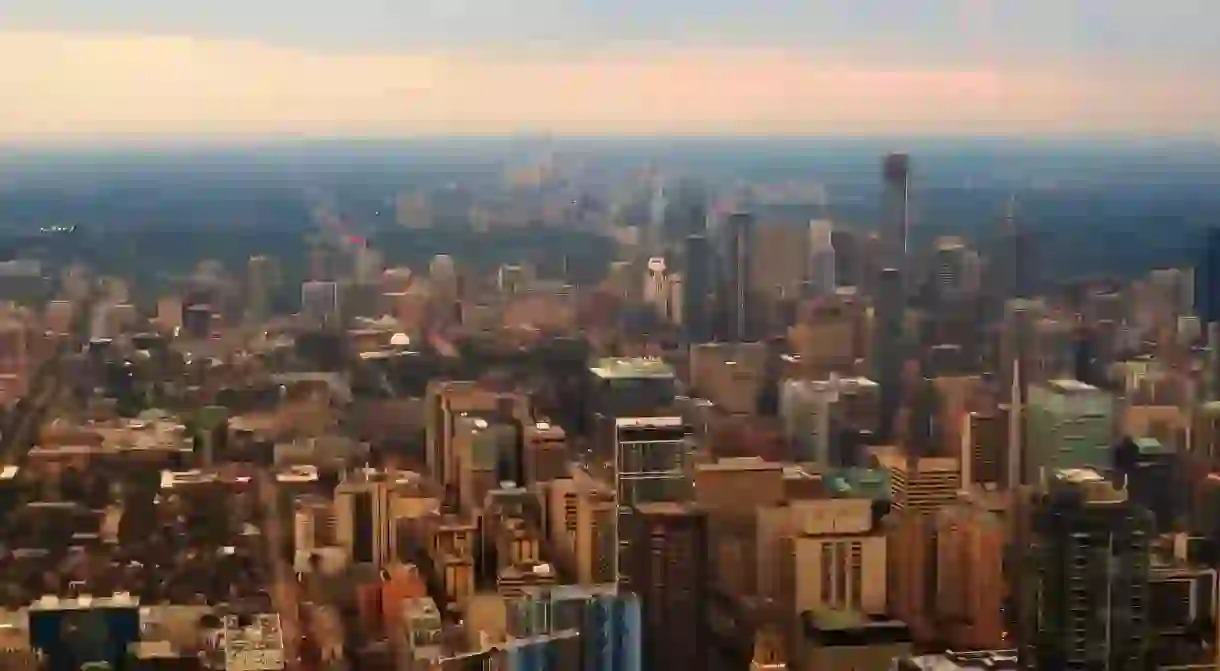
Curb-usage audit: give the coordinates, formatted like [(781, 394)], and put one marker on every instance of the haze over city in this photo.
[(78, 69)]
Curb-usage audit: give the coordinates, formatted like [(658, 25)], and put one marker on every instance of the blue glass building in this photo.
[(608, 622), (72, 632)]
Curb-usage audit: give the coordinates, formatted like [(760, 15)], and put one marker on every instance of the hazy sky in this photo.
[(354, 67)]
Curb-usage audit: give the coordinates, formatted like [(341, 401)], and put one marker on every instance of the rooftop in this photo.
[(979, 660), (632, 368), (1068, 386)]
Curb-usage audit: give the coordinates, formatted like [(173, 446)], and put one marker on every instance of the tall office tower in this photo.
[(670, 573), (648, 464), (779, 262), (888, 351), (685, 212), (896, 222), (1069, 424), (364, 524), (822, 270), (1084, 592), (261, 277), (697, 289), (320, 304), (738, 250), (658, 206)]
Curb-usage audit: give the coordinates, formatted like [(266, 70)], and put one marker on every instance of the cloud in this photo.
[(75, 85)]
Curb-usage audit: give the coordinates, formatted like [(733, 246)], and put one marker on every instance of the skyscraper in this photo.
[(1084, 593), (670, 573), (697, 287), (888, 350), (896, 216), (1069, 425), (822, 273), (649, 466), (738, 259)]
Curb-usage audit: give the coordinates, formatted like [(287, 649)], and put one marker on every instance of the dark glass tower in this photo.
[(1084, 593), (697, 289), (669, 571), (896, 222), (888, 349), (738, 262)]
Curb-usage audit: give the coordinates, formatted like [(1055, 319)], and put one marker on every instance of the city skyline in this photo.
[(944, 67)]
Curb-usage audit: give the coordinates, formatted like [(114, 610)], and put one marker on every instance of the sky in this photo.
[(72, 69)]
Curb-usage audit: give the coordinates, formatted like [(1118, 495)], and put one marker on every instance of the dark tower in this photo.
[(738, 260), (1084, 594), (697, 289), (896, 222), (669, 571), (888, 349)]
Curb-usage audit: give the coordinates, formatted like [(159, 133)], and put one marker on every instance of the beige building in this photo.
[(731, 375), (582, 515), (923, 483), (840, 560)]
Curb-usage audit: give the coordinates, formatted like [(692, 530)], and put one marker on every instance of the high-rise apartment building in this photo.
[(1085, 577), (1069, 424), (669, 571)]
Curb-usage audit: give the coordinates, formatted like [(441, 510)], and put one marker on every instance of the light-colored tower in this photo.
[(822, 257)]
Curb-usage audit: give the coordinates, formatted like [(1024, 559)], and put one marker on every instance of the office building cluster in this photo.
[(752, 443)]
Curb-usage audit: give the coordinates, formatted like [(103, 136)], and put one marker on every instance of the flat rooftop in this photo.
[(632, 368), (1069, 386)]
